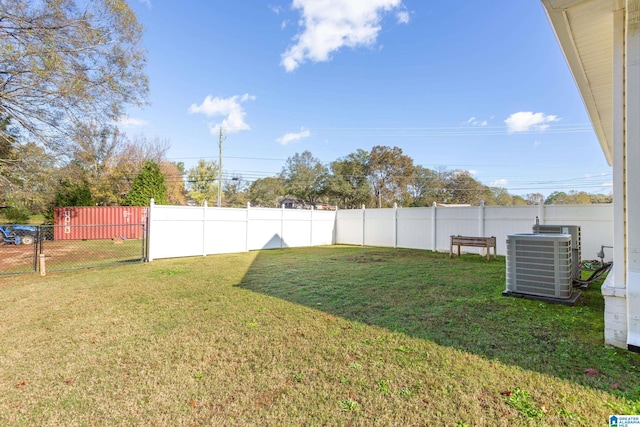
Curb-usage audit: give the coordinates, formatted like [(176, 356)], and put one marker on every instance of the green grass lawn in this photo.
[(314, 336), (70, 254)]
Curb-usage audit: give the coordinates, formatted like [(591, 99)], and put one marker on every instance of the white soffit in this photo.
[(584, 29)]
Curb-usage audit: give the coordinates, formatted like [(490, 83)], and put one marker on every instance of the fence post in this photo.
[(334, 234), (204, 228), (395, 225), (363, 225), (481, 219), (311, 228), (481, 224), (246, 240), (42, 266), (434, 228), (541, 211), (152, 204), (282, 227)]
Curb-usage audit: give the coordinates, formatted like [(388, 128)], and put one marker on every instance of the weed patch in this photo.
[(521, 400)]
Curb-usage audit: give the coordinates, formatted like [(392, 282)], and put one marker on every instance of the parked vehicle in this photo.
[(18, 234), (8, 236)]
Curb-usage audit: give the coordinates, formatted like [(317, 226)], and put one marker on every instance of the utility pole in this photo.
[(222, 138)]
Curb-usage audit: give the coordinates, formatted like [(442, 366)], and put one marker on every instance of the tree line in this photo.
[(382, 177), (104, 167)]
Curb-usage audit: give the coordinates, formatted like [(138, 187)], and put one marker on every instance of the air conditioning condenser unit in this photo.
[(539, 266), (576, 244)]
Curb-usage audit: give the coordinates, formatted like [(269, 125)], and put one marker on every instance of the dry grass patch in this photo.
[(312, 336)]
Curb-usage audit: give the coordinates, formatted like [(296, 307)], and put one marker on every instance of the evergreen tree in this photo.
[(73, 193), (148, 184), (70, 192)]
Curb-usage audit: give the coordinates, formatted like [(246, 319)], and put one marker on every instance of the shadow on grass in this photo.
[(452, 302)]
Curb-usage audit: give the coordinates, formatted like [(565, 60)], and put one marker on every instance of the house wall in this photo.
[(601, 42)]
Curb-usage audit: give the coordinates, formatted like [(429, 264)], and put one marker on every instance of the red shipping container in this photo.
[(99, 222)]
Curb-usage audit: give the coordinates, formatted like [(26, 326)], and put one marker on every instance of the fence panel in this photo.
[(297, 227), (265, 229), (500, 221), (225, 231), (175, 231), (379, 227), (596, 225), (349, 227), (324, 228), (454, 221), (66, 254), (415, 228)]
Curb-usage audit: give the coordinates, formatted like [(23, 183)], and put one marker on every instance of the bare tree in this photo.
[(133, 154), (173, 177), (65, 62)]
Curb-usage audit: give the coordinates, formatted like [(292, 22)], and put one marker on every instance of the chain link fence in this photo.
[(58, 248), (18, 249)]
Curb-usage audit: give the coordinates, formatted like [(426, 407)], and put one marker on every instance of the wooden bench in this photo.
[(478, 242)]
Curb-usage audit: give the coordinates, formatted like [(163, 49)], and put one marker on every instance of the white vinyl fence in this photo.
[(179, 231), (430, 228)]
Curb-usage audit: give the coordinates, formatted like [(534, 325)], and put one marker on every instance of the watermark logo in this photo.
[(624, 421)]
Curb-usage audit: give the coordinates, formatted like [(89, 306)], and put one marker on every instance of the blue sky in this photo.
[(479, 86)]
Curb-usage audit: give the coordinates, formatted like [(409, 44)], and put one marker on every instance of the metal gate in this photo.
[(69, 247)]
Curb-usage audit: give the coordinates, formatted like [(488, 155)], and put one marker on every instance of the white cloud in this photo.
[(536, 144), (607, 184), (459, 172), (284, 25), (524, 121), (294, 136), (130, 122), (473, 121), (230, 108), (277, 9), (499, 183), (403, 17), (328, 25), (147, 3)]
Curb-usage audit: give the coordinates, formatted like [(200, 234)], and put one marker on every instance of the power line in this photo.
[(577, 183)]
